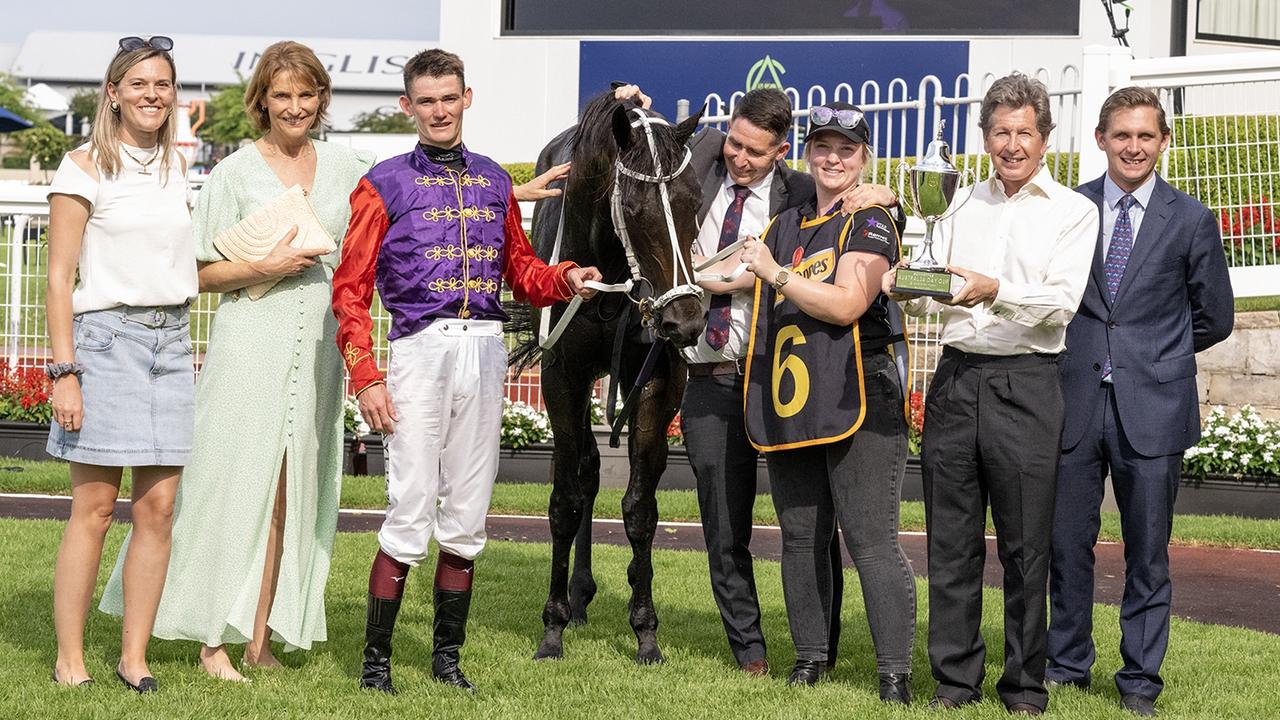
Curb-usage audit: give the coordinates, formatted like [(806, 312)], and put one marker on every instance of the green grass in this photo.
[(24, 476), (1211, 671), (1255, 304)]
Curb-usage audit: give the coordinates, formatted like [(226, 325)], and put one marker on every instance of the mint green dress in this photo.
[(270, 392)]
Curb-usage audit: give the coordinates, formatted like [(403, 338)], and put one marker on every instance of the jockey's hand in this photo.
[(536, 189), (377, 410), (577, 277)]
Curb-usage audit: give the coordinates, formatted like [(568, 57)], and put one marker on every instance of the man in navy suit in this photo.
[(1159, 292)]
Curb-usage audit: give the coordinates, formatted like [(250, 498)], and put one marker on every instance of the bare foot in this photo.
[(217, 664), (261, 658), (67, 674)]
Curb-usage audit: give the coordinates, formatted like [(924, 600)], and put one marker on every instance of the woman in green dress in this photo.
[(257, 506)]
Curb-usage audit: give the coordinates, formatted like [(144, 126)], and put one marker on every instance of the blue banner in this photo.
[(669, 71)]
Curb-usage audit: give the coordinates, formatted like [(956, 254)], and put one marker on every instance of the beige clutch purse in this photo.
[(255, 235)]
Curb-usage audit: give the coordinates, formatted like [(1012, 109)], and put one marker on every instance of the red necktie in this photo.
[(720, 313)]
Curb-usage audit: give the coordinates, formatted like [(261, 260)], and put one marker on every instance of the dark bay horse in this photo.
[(616, 143)]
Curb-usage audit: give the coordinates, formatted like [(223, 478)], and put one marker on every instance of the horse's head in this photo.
[(654, 204)]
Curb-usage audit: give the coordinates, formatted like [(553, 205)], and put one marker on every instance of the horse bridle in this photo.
[(633, 287), (680, 264)]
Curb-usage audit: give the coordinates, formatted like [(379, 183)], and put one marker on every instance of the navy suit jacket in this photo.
[(789, 188), (1175, 300)]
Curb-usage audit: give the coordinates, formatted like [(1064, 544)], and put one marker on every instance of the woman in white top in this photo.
[(123, 380)]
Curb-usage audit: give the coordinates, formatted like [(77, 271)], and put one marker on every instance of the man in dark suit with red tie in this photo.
[(1159, 292)]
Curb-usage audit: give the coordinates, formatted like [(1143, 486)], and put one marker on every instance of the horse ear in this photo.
[(689, 126), (622, 126)]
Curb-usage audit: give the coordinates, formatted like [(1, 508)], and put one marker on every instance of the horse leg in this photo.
[(647, 446), (582, 585), (566, 406)]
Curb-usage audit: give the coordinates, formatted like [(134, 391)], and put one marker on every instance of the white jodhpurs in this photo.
[(446, 383)]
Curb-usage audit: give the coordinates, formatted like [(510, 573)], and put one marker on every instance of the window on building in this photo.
[(1256, 22)]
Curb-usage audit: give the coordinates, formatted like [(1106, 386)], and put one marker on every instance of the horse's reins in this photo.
[(649, 309)]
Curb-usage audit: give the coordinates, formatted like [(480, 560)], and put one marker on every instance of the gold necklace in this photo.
[(275, 152), (144, 165)]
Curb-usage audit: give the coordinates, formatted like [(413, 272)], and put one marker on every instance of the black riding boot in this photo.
[(380, 620), (450, 632)]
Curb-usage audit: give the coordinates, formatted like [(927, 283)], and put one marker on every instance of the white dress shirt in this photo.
[(755, 217), (1039, 244), (1111, 194)]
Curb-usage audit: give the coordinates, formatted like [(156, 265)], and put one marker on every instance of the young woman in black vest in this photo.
[(824, 401)]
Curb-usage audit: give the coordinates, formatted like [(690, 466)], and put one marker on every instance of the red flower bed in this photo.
[(24, 394)]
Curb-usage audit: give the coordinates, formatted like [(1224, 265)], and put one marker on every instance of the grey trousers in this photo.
[(724, 463), (858, 480)]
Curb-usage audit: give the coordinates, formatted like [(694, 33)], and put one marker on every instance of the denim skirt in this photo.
[(138, 388)]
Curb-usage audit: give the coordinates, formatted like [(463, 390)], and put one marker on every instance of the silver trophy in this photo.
[(934, 183)]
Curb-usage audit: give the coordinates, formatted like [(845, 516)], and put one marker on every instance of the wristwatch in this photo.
[(781, 279)]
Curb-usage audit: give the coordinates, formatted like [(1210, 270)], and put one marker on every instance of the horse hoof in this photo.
[(578, 617), (547, 651), (650, 656)]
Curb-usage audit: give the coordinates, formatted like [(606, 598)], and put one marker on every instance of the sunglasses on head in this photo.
[(155, 42), (820, 115)]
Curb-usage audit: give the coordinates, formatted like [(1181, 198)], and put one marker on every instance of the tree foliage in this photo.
[(84, 104), (13, 97), (383, 121), (227, 122), (46, 144)]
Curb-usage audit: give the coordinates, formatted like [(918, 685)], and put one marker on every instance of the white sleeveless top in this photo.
[(137, 248)]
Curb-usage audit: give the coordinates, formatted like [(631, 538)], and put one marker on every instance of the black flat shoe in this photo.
[(87, 682), (1138, 705), (807, 672), (146, 685), (895, 688)]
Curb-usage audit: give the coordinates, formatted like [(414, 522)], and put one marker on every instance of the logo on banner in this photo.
[(766, 73)]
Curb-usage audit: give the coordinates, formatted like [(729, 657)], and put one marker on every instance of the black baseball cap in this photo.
[(840, 117)]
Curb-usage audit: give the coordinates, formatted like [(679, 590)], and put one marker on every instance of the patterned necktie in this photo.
[(719, 315), (1118, 258)]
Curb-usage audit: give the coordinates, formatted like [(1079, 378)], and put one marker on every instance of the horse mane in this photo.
[(593, 146), (593, 150)]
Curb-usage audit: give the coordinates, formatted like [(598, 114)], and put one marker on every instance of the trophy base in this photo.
[(931, 282)]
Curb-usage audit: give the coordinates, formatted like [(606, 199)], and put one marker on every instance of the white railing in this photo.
[(1225, 151), (24, 220)]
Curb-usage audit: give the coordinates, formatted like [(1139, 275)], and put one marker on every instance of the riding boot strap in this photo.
[(449, 628), (380, 621)]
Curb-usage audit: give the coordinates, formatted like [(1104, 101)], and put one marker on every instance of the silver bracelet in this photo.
[(56, 370)]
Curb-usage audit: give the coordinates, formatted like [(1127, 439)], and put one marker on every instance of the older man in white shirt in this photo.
[(1022, 245)]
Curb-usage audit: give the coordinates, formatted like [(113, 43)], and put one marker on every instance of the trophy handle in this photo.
[(904, 186), (971, 175)]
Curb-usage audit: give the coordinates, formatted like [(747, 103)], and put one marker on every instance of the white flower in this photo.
[(1227, 454)]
